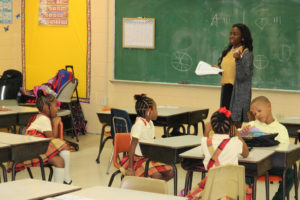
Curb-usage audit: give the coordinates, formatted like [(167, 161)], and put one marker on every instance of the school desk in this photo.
[(286, 156), (5, 155), (23, 148), (18, 115), (168, 117), (111, 193), (167, 150), (34, 189), (293, 126), (256, 164)]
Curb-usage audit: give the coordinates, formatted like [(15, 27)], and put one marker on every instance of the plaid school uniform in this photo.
[(56, 145), (195, 193)]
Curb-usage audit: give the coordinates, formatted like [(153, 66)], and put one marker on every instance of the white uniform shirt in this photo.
[(274, 127), (229, 154), (142, 130), (41, 123)]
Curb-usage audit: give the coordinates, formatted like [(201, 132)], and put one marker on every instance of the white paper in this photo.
[(204, 68)]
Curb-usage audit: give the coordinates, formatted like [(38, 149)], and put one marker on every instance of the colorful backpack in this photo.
[(60, 79)]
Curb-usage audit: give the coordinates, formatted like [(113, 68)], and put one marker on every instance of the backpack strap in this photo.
[(215, 153)]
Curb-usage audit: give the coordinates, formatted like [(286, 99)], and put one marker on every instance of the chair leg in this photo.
[(50, 173), (101, 145), (29, 172), (73, 123), (112, 177), (42, 168), (110, 161), (296, 183), (4, 172), (187, 182)]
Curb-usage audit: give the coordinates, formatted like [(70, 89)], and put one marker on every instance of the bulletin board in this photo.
[(46, 49), (139, 33)]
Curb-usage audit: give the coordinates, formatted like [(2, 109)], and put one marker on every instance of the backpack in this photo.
[(60, 79), (10, 83)]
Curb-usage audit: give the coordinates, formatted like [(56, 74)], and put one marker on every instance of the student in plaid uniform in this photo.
[(143, 129), (222, 148), (45, 125)]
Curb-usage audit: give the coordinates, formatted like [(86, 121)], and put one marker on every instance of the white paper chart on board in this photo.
[(139, 33), (204, 68)]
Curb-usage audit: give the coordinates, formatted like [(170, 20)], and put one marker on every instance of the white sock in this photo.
[(59, 175), (66, 156)]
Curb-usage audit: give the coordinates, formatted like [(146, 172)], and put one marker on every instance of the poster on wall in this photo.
[(53, 12), (6, 11)]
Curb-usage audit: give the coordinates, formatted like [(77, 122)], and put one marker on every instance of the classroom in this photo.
[(110, 74)]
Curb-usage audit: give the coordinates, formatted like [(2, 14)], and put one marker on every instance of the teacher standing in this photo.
[(237, 62)]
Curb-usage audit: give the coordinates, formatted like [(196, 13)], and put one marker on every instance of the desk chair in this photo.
[(145, 184), (61, 136), (227, 180), (9, 102), (103, 132), (120, 123), (121, 145), (65, 95)]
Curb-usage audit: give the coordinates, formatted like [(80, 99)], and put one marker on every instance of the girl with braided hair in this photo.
[(224, 147), (143, 129), (45, 124)]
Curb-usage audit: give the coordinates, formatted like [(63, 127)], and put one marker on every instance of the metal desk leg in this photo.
[(187, 182), (101, 143), (283, 183), (146, 168), (42, 168), (254, 188), (175, 179), (203, 126), (296, 183), (267, 186), (4, 172), (13, 171)]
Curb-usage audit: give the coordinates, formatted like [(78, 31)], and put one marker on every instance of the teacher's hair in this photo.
[(247, 42)]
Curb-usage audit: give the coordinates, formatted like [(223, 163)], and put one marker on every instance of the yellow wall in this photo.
[(121, 94), (50, 48), (10, 42)]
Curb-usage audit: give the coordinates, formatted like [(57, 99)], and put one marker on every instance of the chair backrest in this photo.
[(65, 94), (145, 184), (61, 130), (121, 145), (226, 180), (120, 122)]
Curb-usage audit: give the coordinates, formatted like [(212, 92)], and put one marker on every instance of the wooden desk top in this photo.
[(255, 155), (164, 111), (284, 148), (175, 142), (291, 120), (33, 189), (15, 139), (18, 110), (111, 193)]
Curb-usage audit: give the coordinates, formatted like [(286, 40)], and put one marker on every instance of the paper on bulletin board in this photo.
[(6, 11), (53, 12)]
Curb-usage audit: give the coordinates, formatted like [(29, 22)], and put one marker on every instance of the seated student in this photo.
[(45, 125), (224, 147), (264, 120), (143, 129)]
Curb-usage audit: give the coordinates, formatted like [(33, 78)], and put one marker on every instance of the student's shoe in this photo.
[(68, 183)]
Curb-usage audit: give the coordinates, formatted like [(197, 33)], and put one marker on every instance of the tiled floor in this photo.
[(86, 172)]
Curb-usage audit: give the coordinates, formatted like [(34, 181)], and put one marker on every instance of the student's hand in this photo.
[(216, 66), (130, 172), (246, 129), (4, 109), (56, 120), (237, 55)]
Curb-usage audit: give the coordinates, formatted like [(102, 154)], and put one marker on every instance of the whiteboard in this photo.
[(139, 33)]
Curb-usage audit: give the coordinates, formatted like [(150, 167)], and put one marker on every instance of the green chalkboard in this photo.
[(187, 31)]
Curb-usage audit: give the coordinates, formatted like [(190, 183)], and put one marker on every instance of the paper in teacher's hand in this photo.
[(204, 68)]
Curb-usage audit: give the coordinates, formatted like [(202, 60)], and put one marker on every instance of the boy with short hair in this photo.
[(262, 110)]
